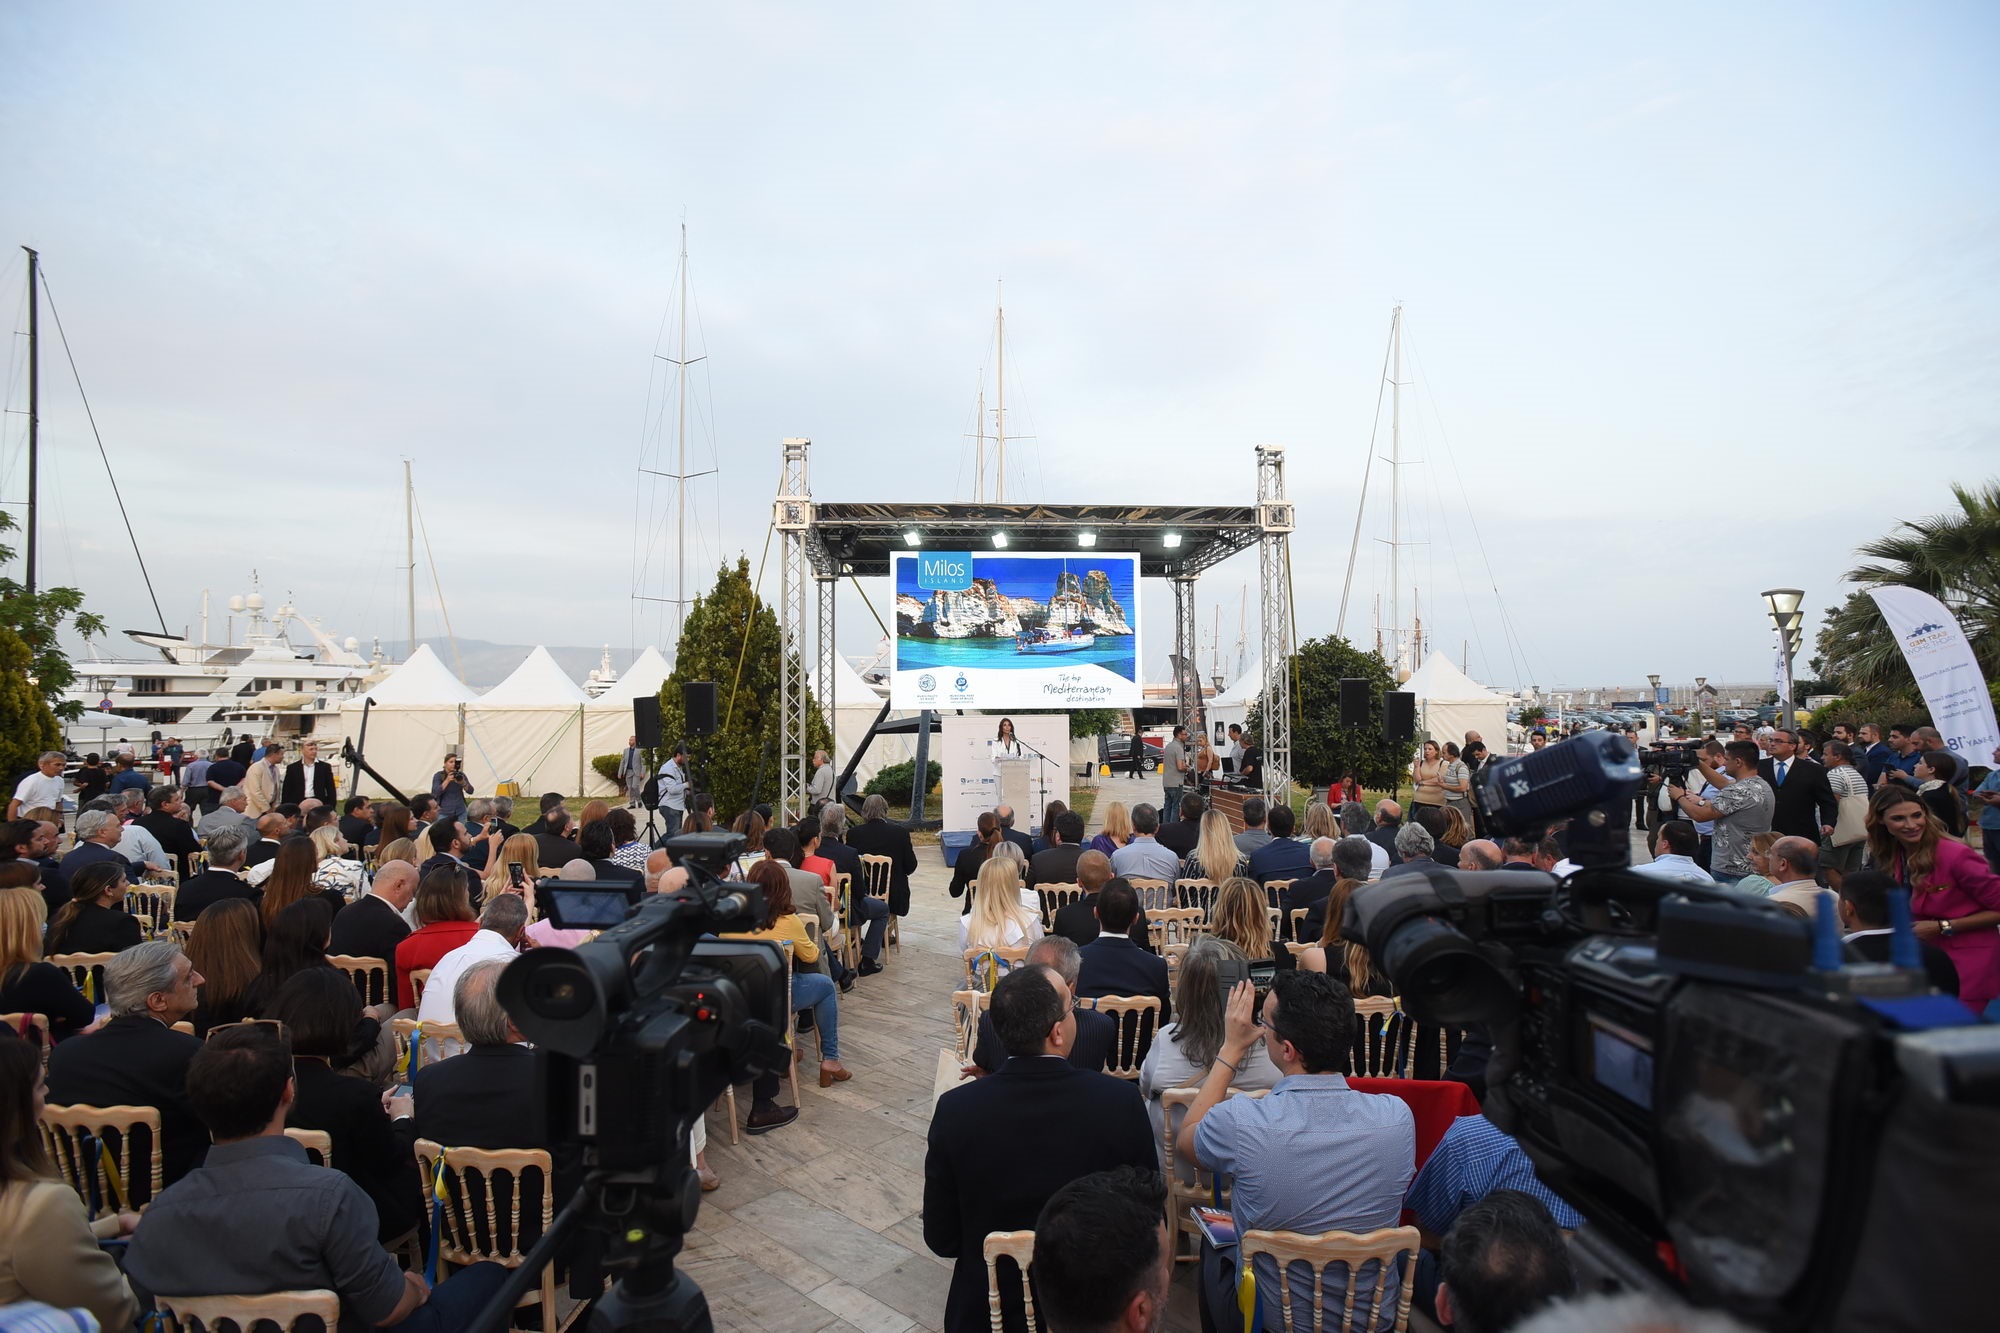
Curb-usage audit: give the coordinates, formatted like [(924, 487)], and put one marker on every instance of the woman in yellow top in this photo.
[(1427, 776), (48, 1246), (810, 990)]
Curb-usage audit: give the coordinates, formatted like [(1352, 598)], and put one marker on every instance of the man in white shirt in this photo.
[(137, 843), (674, 790), (41, 789), (501, 926), (1675, 857), (819, 790)]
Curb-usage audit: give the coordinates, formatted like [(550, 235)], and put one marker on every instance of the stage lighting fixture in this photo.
[(913, 538), (1086, 539), (1000, 539), (1173, 539)]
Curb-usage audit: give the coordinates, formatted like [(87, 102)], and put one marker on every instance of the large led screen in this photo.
[(1016, 631)]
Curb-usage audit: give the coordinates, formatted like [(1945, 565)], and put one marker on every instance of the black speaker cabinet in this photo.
[(1399, 715), (698, 699), (1353, 702), (646, 721)]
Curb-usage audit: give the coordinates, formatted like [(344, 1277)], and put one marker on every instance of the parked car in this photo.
[(1116, 750)]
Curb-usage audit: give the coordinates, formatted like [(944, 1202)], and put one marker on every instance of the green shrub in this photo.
[(893, 782), (607, 766)]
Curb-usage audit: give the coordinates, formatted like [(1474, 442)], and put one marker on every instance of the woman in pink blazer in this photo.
[(1955, 896)]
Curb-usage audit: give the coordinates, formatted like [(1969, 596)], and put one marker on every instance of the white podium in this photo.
[(1016, 789)]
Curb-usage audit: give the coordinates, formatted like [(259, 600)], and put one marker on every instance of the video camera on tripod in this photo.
[(637, 1033), (1671, 761), (1744, 1117)]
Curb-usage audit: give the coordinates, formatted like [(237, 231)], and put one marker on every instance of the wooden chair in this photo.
[(75, 1137), (1012, 955), (437, 1041), (284, 1310), (1196, 893), (371, 976), (86, 970), (1020, 1247), (966, 1007), (1181, 1196), (1390, 1250), (179, 932), (1174, 954), (470, 1229), (1378, 1038), (880, 871), (1055, 897), (418, 976), (850, 922), (1274, 890), (153, 905), (1154, 894), (1136, 1016), (317, 1143), (1295, 919), (32, 1027), (1175, 925), (197, 862), (184, 1027)]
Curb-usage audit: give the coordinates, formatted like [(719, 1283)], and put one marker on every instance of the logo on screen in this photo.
[(960, 682), (944, 571), (927, 682)]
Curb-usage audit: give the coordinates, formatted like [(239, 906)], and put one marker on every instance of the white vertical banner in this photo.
[(1947, 673), (972, 778)]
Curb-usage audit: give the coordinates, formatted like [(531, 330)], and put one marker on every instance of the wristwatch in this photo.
[(1946, 929)]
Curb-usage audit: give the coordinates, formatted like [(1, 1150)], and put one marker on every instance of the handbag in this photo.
[(1850, 825)]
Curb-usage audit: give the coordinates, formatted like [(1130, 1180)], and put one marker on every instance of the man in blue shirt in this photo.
[(1312, 1155), (1988, 797), (128, 777)]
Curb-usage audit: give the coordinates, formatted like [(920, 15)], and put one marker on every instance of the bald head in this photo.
[(1322, 853), (1794, 860), (1388, 812), (396, 884), (662, 875), (272, 825), (1479, 854)]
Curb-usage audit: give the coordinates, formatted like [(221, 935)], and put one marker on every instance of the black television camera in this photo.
[(1744, 1117), (637, 1033), (1671, 761)]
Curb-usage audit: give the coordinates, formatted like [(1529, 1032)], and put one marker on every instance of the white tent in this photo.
[(108, 727), (529, 729), (413, 717), (607, 719), (1233, 704), (1451, 703)]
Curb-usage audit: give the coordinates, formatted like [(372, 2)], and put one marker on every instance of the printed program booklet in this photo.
[(1216, 1224)]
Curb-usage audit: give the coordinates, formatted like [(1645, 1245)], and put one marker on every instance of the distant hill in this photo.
[(483, 665)]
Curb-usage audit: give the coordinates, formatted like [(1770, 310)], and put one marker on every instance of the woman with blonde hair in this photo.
[(520, 850), (27, 984), (337, 872), (1242, 916), (1321, 822), (1457, 827), (1344, 958), (1117, 829), (1214, 857), (998, 917), (402, 849)]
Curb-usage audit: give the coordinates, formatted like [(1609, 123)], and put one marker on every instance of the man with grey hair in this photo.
[(819, 788), (502, 923), (866, 914), (229, 812), (1414, 845), (1096, 1033), (1354, 823), (136, 1058), (878, 836), (1005, 814), (221, 878), (41, 789), (1480, 854), (97, 836), (136, 842), (1309, 891)]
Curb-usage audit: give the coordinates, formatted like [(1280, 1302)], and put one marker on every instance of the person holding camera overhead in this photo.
[(450, 788), (1741, 806)]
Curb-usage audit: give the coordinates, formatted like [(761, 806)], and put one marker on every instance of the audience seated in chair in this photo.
[(1095, 1032), (1503, 1260), (137, 1059), (1184, 1050), (502, 923), (1103, 1258), (259, 1217), (373, 925), (1112, 963), (1077, 921)]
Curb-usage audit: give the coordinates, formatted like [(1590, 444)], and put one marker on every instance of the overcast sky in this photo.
[(1697, 298)]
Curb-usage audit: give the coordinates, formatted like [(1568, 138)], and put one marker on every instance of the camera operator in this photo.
[(1707, 777), (1740, 807), (450, 788)]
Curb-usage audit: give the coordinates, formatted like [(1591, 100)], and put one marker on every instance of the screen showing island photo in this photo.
[(1016, 631)]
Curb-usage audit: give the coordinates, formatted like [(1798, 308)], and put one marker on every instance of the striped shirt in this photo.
[(1474, 1158)]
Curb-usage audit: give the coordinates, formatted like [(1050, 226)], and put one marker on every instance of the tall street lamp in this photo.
[(1783, 606), (1700, 689)]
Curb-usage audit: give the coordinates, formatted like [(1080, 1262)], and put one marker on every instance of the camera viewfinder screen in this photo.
[(586, 908), (1621, 1061)]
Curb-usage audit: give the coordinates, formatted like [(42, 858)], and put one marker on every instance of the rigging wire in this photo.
[(91, 416), (1361, 505), (430, 558)]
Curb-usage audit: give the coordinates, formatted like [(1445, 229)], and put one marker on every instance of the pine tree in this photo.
[(1323, 750), (33, 667), (731, 637)]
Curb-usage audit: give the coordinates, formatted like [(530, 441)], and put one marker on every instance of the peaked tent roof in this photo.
[(1439, 681), (648, 672), (852, 688), (1247, 687), (421, 680), (537, 681)]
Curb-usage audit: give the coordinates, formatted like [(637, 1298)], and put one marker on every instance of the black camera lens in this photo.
[(559, 993), (1440, 976)]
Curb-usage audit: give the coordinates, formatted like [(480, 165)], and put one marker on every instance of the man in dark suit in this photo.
[(1056, 864), (594, 844), (1388, 818), (357, 822), (446, 840), (222, 879), (1000, 1146), (1077, 921), (1352, 860), (877, 836), (308, 775), (1864, 915), (1095, 1032), (1806, 806), (1005, 814), (166, 819), (1181, 836), (554, 848), (137, 1059), (271, 830), (374, 925), (1114, 965), (1283, 857), (551, 801), (97, 834)]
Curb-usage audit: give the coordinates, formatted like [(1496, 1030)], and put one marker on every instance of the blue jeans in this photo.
[(873, 915), (817, 992), (455, 1302), (672, 819)]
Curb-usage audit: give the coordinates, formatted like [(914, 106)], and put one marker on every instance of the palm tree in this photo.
[(1955, 557)]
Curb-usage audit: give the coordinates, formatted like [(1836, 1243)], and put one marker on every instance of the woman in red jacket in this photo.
[(1955, 896), (444, 921)]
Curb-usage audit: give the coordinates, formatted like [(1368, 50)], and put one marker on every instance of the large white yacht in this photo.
[(205, 694)]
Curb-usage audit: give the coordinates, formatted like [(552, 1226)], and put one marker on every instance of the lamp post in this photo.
[(1700, 690), (1653, 679), (1782, 604)]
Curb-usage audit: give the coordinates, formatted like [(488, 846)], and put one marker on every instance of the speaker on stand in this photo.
[(700, 703), (1399, 715), (1353, 702), (647, 734)]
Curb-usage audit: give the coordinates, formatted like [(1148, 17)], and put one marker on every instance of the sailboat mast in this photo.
[(34, 408), (1396, 486), (1000, 412), (979, 468), (410, 549), (680, 458)]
